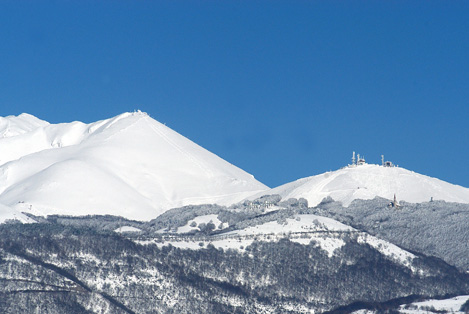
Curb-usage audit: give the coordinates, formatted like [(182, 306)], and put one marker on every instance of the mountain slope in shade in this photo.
[(130, 165), (368, 181)]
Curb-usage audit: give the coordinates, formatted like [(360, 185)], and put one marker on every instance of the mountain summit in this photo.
[(368, 181), (130, 165)]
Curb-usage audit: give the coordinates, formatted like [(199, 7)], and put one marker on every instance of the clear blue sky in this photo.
[(282, 89)]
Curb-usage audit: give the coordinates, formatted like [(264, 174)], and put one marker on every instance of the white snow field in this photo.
[(8, 213), (130, 165), (368, 181), (452, 305)]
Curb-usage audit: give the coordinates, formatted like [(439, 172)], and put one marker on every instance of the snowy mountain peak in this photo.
[(130, 165), (15, 125), (367, 181)]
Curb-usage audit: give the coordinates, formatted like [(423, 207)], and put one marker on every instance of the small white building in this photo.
[(386, 163), (394, 204)]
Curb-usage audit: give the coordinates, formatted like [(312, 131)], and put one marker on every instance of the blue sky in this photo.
[(282, 89)]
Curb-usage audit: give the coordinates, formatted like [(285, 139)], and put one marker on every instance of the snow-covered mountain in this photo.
[(271, 255), (368, 181), (130, 165)]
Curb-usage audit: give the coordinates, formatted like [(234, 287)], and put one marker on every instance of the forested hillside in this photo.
[(57, 268)]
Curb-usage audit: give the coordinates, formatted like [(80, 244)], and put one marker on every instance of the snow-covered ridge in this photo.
[(369, 181), (134, 166), (25, 134), (130, 165), (16, 125), (327, 233)]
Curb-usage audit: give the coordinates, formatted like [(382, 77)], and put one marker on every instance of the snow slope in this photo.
[(452, 305), (7, 213), (130, 165), (368, 181), (327, 233)]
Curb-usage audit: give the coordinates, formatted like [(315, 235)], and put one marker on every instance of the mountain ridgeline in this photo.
[(130, 165)]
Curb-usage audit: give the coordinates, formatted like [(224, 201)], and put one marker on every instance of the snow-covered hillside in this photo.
[(10, 214), (130, 165), (368, 181), (452, 305), (329, 234)]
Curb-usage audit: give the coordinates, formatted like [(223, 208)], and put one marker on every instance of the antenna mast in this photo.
[(353, 158)]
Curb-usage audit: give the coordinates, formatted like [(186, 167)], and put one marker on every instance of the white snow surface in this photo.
[(368, 181), (127, 229), (8, 213), (452, 305), (130, 165)]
